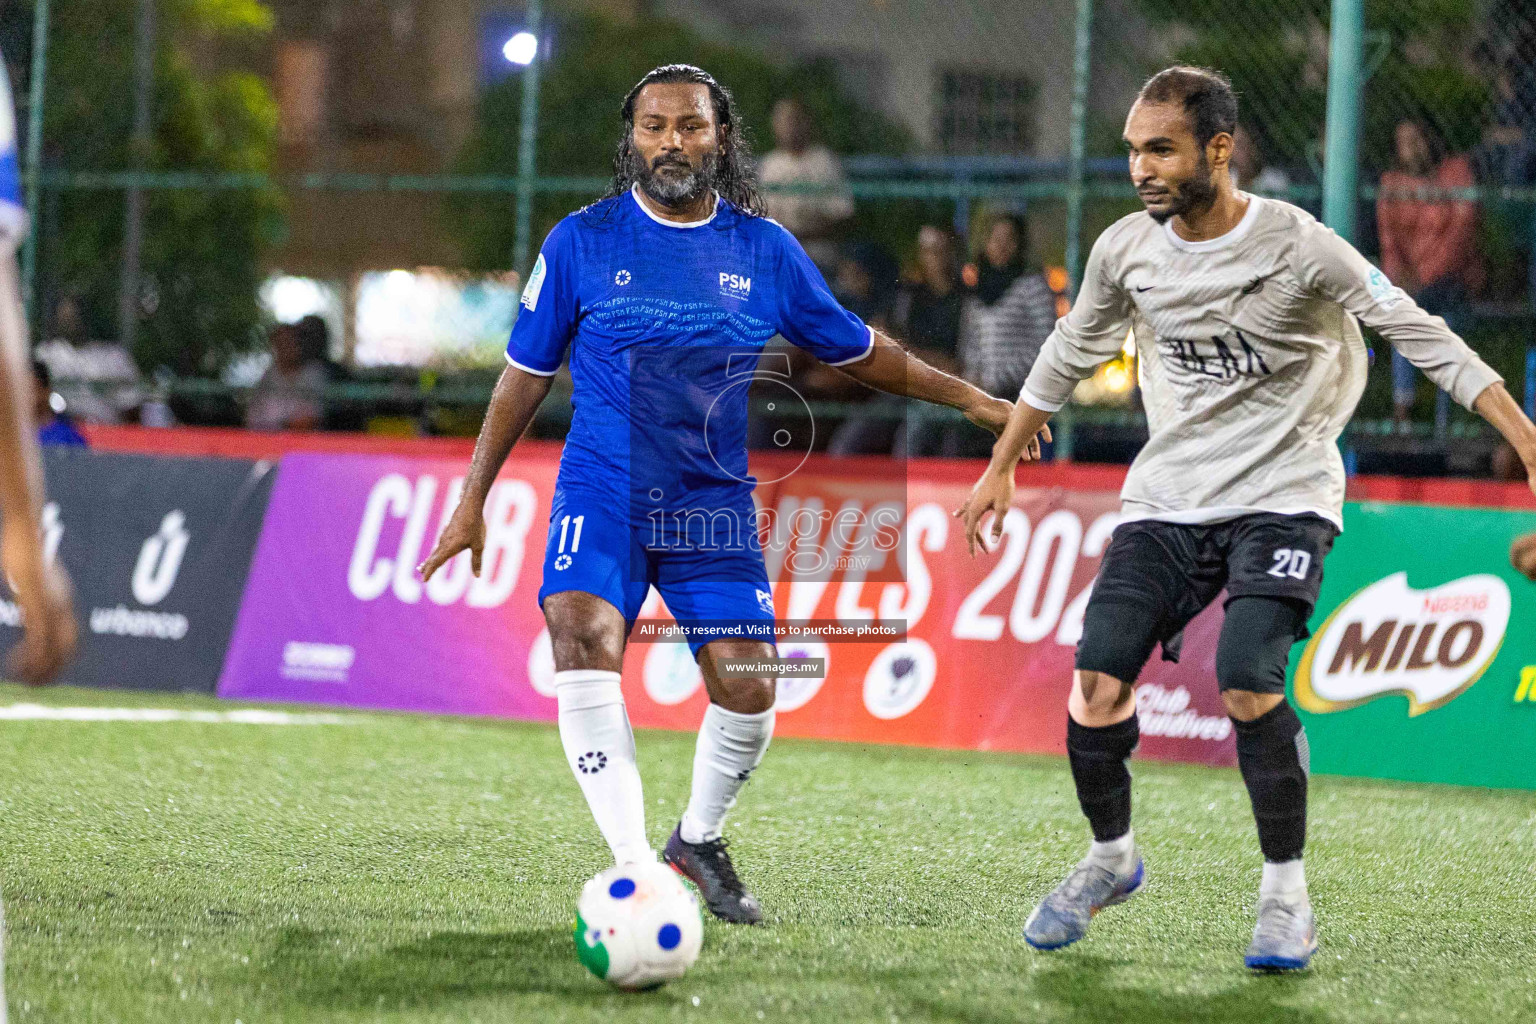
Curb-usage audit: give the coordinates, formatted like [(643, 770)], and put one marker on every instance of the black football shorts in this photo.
[(1169, 573)]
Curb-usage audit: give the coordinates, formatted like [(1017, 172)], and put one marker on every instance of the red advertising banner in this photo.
[(332, 614)]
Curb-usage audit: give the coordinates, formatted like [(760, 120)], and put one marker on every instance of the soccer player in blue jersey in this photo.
[(40, 589), (661, 292)]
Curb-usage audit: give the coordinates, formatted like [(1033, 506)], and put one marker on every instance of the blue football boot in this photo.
[(1063, 916)]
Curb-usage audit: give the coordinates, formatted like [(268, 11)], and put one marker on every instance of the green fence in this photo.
[(1329, 92)]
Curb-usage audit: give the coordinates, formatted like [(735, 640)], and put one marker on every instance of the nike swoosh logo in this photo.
[(1146, 289)]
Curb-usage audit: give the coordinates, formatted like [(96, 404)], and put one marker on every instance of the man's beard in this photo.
[(673, 189), (1196, 195)]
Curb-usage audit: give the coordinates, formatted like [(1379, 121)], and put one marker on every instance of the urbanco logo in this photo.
[(154, 575)]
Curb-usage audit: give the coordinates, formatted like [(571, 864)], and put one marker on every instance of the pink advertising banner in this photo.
[(333, 612)]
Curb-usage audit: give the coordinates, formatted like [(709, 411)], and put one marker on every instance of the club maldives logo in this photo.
[(1430, 646)]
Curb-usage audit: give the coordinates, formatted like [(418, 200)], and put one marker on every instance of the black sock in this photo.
[(1272, 753), (1098, 758)]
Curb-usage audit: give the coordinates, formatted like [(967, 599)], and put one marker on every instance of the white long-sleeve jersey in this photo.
[(1251, 359)]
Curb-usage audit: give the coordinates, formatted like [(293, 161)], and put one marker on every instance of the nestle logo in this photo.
[(324, 662), (1457, 603), (736, 286)]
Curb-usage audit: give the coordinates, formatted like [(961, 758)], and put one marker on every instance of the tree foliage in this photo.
[(201, 255), (1418, 53), (594, 64)]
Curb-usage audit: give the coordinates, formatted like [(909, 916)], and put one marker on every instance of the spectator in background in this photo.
[(1428, 242), (1505, 155), (926, 318), (864, 283), (929, 303), (813, 218), (314, 337), (98, 380), (864, 280), (54, 424), (1009, 310), (288, 396), (1249, 171)]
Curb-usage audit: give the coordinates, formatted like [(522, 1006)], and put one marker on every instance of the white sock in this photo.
[(730, 746), (600, 748), (1117, 855), (1286, 881)]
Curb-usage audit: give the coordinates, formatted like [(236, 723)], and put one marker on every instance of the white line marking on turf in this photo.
[(41, 712)]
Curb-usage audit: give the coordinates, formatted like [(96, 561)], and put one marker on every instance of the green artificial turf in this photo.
[(416, 869)]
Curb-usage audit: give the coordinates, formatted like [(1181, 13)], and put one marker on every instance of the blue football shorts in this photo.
[(709, 569)]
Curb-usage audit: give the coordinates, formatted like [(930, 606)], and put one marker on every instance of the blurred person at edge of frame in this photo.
[(36, 586)]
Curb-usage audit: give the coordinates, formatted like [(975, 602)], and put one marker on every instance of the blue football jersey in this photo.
[(13, 208), (664, 323)]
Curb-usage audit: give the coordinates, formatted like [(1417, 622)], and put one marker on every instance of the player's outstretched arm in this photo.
[(1496, 406), (42, 590), (993, 493), (891, 368), (513, 403)]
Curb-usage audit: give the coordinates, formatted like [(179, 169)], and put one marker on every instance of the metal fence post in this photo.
[(36, 91), (527, 144), (143, 141), (1346, 76), (1530, 381), (1081, 54)]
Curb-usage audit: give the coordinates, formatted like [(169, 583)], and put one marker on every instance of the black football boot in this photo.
[(708, 866)]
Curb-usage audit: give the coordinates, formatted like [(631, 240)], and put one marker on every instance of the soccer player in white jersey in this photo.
[(661, 293), (1246, 312)]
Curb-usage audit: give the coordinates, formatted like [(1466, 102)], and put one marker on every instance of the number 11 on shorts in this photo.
[(565, 528)]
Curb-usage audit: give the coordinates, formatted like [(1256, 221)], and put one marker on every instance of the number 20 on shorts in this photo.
[(1292, 562)]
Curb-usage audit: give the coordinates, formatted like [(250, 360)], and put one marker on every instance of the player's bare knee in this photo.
[(583, 636), (1246, 705), (744, 692), (747, 696), (1101, 692)]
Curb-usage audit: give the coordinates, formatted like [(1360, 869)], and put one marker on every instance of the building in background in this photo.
[(972, 77), (392, 87), (382, 87)]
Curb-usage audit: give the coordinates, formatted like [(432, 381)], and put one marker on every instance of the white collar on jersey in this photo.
[(634, 190), (1220, 241)]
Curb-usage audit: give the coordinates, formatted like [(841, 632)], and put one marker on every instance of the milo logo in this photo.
[(1429, 646)]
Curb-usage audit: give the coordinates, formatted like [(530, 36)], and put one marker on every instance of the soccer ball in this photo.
[(638, 926)]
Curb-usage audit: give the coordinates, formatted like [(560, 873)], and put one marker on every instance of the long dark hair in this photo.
[(735, 176), (992, 282)]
